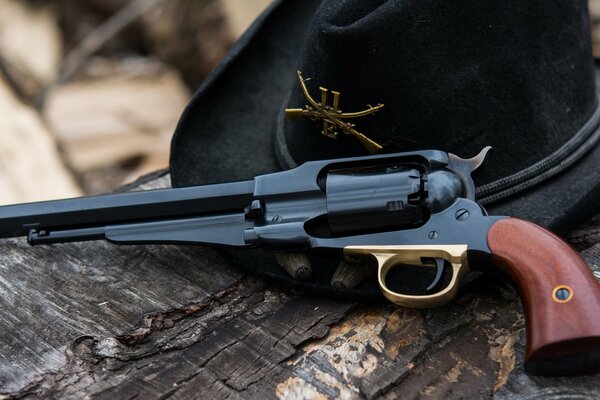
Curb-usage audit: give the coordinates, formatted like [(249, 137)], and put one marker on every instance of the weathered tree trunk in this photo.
[(103, 321)]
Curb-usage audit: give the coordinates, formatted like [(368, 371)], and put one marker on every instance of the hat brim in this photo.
[(227, 130)]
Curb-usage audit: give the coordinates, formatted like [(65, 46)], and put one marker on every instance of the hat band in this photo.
[(558, 161), (548, 167)]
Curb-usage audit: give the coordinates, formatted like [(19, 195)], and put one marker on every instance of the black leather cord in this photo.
[(557, 162)]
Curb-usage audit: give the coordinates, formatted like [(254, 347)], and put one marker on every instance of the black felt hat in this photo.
[(453, 75)]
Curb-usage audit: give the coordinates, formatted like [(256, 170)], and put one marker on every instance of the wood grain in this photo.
[(563, 335)]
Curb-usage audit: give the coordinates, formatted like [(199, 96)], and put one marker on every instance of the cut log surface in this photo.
[(30, 165), (103, 121), (101, 321)]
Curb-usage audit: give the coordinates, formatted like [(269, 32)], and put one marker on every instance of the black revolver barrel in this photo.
[(281, 210), (20, 219)]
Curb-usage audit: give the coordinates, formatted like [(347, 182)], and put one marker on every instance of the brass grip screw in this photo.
[(562, 294)]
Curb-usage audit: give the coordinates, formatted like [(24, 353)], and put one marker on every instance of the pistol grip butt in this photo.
[(560, 295)]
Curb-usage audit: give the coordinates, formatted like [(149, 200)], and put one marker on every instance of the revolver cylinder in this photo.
[(375, 198)]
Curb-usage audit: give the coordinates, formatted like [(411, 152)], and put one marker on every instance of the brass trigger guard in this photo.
[(389, 256)]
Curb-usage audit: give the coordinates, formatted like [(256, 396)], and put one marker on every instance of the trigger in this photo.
[(440, 266)]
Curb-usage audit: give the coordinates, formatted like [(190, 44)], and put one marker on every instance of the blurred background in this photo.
[(91, 90)]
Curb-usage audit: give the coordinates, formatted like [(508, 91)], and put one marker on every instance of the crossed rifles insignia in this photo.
[(334, 120)]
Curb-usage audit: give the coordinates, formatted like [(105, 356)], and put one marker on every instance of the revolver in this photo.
[(412, 211)]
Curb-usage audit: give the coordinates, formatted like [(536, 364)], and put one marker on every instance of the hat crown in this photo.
[(454, 75)]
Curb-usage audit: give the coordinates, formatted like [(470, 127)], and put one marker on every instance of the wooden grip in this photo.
[(560, 296)]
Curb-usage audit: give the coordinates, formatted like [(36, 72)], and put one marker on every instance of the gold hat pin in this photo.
[(333, 118)]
